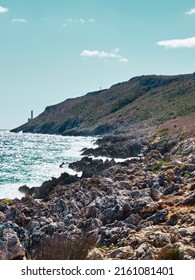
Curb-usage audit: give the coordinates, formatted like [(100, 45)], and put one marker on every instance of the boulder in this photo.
[(144, 252), (11, 242), (159, 217), (121, 253), (47, 187)]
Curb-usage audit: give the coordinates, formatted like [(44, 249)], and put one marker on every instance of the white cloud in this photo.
[(3, 10), (178, 43), (190, 12), (123, 59), (103, 54), (70, 21), (21, 20)]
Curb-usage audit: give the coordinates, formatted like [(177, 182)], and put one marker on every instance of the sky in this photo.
[(51, 50)]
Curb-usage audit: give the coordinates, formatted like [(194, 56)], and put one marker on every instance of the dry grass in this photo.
[(169, 254), (62, 247)]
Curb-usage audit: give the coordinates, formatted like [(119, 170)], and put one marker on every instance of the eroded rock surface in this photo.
[(138, 209)]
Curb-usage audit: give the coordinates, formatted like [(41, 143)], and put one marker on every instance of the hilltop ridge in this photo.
[(140, 102)]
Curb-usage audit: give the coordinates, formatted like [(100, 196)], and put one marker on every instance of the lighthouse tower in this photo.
[(31, 116)]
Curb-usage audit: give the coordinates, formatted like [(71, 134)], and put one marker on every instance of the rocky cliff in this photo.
[(139, 209), (140, 102)]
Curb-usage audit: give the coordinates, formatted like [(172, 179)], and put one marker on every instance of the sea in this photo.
[(30, 159)]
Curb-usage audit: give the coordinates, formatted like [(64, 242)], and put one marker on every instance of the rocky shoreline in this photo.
[(141, 208)]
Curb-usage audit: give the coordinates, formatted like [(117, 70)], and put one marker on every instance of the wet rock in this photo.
[(47, 187), (117, 147), (26, 190), (90, 167)]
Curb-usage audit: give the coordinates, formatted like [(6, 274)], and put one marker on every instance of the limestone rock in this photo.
[(121, 253), (10, 245)]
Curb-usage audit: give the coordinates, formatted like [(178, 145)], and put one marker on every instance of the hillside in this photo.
[(140, 102)]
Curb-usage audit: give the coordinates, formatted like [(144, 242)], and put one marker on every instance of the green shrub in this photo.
[(6, 200), (162, 133), (157, 166), (122, 103)]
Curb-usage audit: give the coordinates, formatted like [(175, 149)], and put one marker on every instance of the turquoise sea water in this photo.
[(31, 159)]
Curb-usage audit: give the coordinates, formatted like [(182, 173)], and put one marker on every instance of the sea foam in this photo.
[(30, 159)]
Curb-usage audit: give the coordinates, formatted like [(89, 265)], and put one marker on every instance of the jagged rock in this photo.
[(2, 217), (11, 247), (132, 209), (154, 154), (111, 235), (145, 207), (189, 200), (90, 224), (121, 253), (95, 254), (173, 220), (90, 167), (158, 239), (47, 187), (156, 194), (162, 146), (133, 219), (26, 190), (184, 147), (110, 146), (173, 188), (17, 216), (158, 217), (144, 252), (187, 235)]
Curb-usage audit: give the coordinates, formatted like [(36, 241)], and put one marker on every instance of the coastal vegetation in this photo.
[(141, 102)]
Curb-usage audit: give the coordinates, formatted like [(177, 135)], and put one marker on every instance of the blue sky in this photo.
[(51, 50)]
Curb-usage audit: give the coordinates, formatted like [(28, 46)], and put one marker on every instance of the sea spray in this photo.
[(30, 159)]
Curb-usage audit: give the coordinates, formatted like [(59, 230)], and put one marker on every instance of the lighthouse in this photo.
[(31, 116)]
